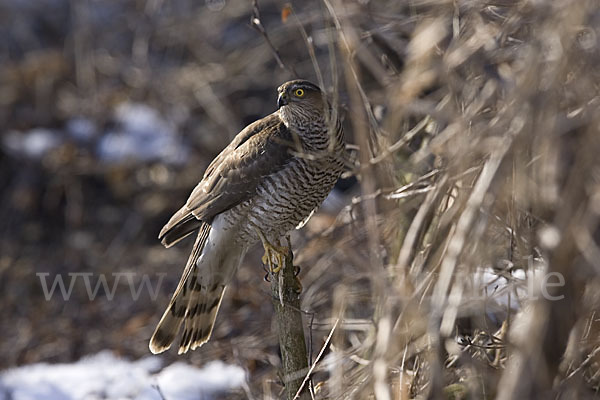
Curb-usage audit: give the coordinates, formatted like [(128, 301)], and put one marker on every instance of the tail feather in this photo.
[(200, 319), (198, 296), (169, 324)]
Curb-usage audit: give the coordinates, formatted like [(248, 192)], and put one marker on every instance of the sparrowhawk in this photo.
[(267, 181)]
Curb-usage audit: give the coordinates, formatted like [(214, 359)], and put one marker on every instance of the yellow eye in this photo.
[(299, 92)]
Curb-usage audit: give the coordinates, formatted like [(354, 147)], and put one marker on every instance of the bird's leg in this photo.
[(272, 251)]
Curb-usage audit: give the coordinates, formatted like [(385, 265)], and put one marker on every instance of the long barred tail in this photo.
[(201, 312), (195, 301)]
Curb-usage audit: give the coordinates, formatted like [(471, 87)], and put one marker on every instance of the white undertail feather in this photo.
[(196, 301), (305, 221)]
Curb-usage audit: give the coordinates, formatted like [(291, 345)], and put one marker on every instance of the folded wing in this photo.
[(261, 149)]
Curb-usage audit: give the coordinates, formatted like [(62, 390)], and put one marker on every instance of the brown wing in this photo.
[(261, 149)]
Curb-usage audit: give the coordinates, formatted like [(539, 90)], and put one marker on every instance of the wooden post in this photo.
[(285, 289)]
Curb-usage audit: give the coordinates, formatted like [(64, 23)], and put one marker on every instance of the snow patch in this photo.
[(81, 129), (105, 376), (179, 381), (32, 144), (141, 134)]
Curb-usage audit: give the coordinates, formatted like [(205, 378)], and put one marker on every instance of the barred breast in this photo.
[(285, 199)]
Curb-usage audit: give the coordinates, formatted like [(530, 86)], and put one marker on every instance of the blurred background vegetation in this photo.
[(474, 125)]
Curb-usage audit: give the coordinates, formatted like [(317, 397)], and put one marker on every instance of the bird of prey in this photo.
[(266, 182)]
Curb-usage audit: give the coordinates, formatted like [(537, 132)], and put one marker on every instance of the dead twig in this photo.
[(256, 23), (312, 367)]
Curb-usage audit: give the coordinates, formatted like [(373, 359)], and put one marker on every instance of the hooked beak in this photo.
[(282, 100)]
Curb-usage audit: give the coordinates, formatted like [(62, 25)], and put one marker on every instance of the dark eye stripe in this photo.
[(306, 85)]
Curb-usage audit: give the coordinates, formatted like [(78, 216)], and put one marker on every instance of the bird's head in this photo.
[(305, 110), (300, 93)]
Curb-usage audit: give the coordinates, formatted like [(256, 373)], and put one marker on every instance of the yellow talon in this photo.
[(277, 252)]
